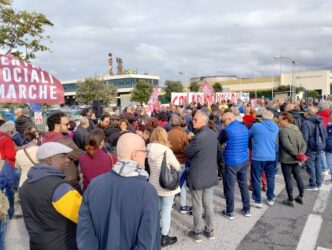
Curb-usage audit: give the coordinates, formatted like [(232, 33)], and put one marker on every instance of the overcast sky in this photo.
[(196, 37)]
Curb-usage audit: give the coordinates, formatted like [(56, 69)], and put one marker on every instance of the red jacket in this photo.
[(247, 120), (325, 114), (7, 149), (99, 164)]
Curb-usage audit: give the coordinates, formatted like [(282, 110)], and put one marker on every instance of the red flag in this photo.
[(153, 101), (206, 88), (21, 82), (208, 91)]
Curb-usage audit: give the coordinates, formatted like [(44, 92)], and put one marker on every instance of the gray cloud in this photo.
[(194, 37)]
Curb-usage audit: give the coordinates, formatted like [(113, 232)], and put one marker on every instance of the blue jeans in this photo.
[(323, 160), (18, 172), (329, 161), (11, 199), (3, 229), (314, 168), (183, 194), (165, 208), (239, 174), (256, 176)]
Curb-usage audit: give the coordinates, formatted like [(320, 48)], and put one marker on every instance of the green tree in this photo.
[(217, 87), (312, 93), (22, 32), (142, 91), (172, 86), (95, 89), (194, 87)]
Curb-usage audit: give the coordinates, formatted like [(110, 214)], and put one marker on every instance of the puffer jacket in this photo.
[(291, 143), (155, 158), (236, 150)]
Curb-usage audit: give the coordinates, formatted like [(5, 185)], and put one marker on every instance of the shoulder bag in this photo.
[(169, 178)]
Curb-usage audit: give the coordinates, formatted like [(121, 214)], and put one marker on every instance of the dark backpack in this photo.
[(318, 142)]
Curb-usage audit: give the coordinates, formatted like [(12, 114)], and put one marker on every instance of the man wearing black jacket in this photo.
[(202, 175)]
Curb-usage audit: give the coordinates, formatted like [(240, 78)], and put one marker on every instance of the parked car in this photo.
[(7, 114)]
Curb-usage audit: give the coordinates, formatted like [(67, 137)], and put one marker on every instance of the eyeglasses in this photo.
[(144, 151)]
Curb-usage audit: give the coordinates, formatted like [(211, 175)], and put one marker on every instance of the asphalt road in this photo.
[(277, 227)]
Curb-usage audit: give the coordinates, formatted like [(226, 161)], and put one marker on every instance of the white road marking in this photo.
[(310, 232), (312, 227)]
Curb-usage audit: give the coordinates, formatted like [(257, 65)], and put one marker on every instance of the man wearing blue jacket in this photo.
[(120, 208), (264, 150), (235, 137)]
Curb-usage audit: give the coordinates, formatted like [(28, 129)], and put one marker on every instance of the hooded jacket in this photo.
[(71, 171), (291, 143), (50, 209), (308, 131), (264, 140)]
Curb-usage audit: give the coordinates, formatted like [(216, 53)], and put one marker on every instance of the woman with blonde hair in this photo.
[(158, 145)]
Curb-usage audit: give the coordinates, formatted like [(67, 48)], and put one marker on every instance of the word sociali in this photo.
[(20, 80)]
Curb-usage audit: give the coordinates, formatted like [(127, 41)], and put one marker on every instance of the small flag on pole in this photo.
[(153, 101)]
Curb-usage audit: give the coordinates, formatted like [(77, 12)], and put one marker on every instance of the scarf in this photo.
[(129, 168)]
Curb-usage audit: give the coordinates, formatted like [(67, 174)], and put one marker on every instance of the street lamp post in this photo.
[(292, 62)]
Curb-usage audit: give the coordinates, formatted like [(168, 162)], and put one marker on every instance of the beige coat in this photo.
[(155, 158), (24, 163)]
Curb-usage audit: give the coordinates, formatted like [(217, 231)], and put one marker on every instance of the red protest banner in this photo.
[(179, 98), (21, 82)]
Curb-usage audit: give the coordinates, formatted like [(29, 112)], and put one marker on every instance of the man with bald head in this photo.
[(235, 137), (120, 208), (314, 133)]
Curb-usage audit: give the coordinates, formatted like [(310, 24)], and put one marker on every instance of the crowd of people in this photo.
[(97, 185)]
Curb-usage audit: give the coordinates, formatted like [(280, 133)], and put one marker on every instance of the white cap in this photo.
[(49, 149)]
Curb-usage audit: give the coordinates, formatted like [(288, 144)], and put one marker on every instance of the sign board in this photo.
[(182, 98), (179, 98), (38, 118), (21, 82), (197, 97)]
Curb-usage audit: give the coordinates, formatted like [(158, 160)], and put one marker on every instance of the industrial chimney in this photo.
[(120, 66), (110, 64)]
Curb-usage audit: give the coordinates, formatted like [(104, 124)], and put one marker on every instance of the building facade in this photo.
[(320, 81), (123, 83)]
